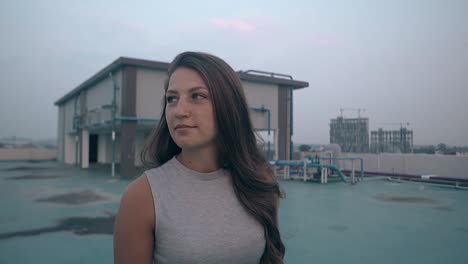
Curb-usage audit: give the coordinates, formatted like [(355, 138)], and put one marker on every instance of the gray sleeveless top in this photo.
[(199, 218)]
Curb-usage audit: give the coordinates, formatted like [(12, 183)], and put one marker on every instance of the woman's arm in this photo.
[(134, 225)]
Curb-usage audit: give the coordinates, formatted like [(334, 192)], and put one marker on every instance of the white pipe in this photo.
[(431, 184), (305, 170)]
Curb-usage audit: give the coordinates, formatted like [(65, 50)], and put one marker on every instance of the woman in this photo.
[(211, 197)]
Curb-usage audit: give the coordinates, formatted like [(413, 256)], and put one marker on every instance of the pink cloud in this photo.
[(234, 25), (323, 40)]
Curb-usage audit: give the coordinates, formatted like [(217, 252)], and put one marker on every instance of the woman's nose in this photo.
[(182, 108)]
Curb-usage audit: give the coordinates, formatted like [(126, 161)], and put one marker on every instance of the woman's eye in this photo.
[(198, 96), (170, 99)]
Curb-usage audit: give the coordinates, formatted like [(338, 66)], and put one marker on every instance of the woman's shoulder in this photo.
[(160, 171), (159, 178), (137, 196)]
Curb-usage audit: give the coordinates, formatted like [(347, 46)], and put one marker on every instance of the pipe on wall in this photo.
[(114, 112), (287, 76), (291, 145), (263, 109), (76, 129), (133, 118)]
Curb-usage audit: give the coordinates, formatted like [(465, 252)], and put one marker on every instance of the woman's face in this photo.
[(189, 111)]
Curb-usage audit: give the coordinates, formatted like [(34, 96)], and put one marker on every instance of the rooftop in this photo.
[(252, 75), (55, 213)]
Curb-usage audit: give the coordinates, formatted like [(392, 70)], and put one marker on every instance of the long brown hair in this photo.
[(253, 180)]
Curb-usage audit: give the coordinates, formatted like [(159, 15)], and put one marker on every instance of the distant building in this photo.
[(108, 117), (351, 134), (392, 141)]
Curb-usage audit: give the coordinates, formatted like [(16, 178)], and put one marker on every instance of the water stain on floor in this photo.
[(444, 208), (405, 199), (78, 225), (74, 198), (461, 229), (33, 177)]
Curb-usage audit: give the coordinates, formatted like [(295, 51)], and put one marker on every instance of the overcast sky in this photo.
[(402, 61)]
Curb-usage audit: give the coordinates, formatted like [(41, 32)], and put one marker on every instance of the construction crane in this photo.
[(401, 124), (358, 110)]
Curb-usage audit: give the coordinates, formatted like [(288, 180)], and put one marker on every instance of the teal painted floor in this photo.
[(54, 213)]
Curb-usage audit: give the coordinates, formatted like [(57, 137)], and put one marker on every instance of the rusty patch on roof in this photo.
[(78, 225)]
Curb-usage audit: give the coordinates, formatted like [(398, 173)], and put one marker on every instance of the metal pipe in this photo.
[(269, 128), (291, 145), (341, 158), (362, 168), (351, 158), (271, 74), (114, 111), (353, 178), (361, 161), (455, 186), (133, 118), (291, 105), (300, 163), (76, 131)]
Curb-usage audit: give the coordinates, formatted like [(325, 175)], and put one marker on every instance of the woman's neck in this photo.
[(201, 160)]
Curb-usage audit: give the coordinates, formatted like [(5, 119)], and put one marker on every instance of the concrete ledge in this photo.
[(27, 154)]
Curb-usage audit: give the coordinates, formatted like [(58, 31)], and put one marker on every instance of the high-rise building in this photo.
[(352, 134), (400, 141)]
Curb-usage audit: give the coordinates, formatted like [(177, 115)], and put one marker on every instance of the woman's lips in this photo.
[(183, 127)]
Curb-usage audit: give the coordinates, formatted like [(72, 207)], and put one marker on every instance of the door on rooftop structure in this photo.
[(93, 148)]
